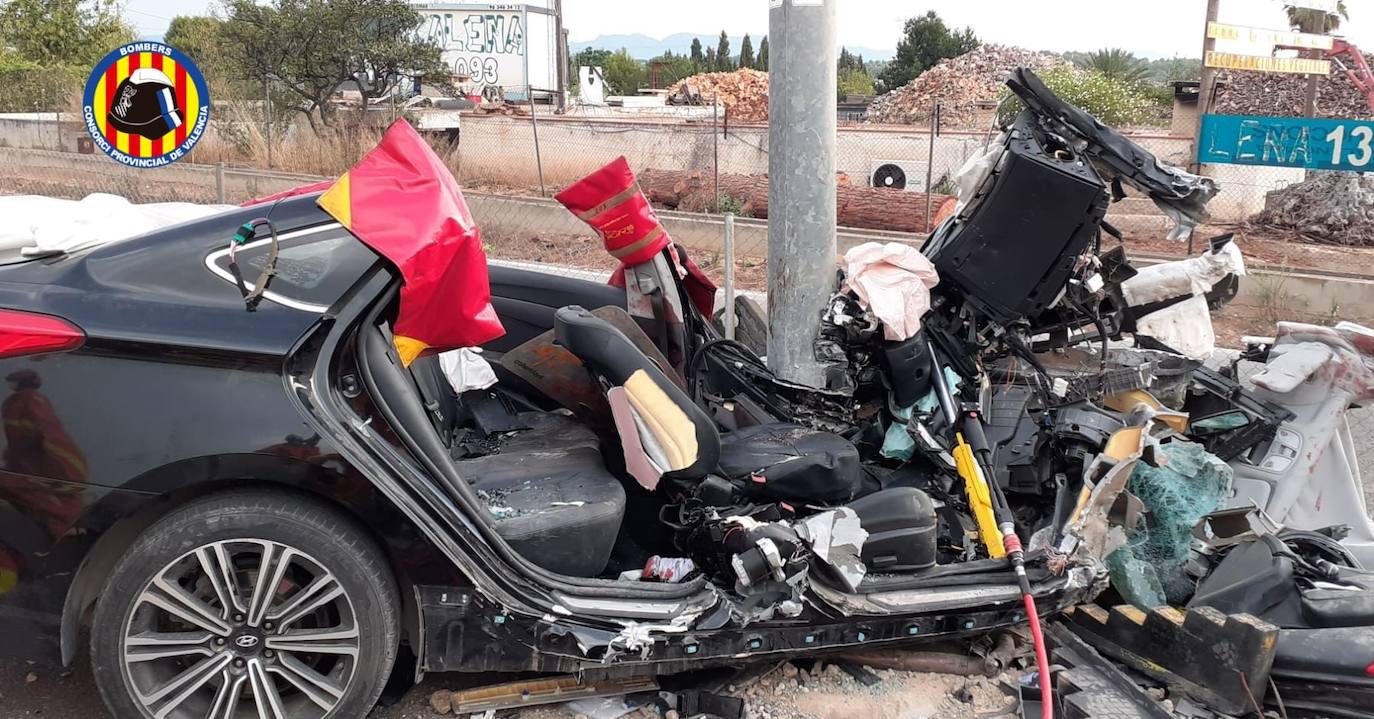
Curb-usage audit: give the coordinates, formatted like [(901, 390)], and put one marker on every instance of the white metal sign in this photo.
[(1256, 36), (487, 45)]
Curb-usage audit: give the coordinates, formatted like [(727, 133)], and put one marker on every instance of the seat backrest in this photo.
[(665, 434)]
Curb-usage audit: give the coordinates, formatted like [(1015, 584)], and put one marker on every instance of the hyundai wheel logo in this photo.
[(246, 641)]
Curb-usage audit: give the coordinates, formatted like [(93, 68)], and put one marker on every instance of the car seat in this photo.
[(668, 438), (545, 486)]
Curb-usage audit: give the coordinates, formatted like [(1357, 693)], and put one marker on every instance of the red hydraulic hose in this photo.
[(1042, 659), (1012, 543)]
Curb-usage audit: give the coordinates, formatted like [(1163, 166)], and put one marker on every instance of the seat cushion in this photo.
[(682, 438), (547, 431), (1338, 607), (558, 507), (791, 463)]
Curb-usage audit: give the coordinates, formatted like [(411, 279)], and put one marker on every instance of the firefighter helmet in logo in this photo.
[(146, 104)]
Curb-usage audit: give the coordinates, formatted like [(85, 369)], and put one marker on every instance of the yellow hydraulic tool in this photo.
[(979, 496)]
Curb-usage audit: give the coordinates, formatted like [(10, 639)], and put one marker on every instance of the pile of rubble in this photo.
[(744, 93), (960, 85), (1330, 207), (1243, 92)]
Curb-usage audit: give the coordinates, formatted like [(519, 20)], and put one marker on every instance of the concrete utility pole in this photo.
[(801, 183), (561, 38), (1208, 84)]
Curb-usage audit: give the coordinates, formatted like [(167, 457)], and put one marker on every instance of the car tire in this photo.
[(190, 624)]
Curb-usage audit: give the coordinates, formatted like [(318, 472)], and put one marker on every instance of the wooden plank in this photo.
[(1289, 65), (1258, 36)]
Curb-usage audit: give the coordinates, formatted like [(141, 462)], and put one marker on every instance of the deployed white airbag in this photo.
[(1181, 278), (893, 281), (39, 226)]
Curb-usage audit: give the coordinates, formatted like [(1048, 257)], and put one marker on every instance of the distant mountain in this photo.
[(643, 47)]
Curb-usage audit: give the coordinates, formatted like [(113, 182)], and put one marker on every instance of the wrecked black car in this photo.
[(270, 512)]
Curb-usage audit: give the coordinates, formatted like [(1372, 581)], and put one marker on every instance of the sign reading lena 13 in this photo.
[(1309, 143)]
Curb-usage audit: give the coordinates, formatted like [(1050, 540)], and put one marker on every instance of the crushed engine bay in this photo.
[(1005, 418)]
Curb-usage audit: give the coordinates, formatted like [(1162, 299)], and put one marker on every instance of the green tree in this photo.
[(849, 61), (724, 63), (1318, 21), (698, 58), (746, 52), (200, 37), (586, 57), (708, 64), (1119, 64), (1166, 70), (311, 47), (851, 77), (853, 81), (926, 40), (671, 67), (63, 32), (624, 74), (591, 57), (762, 62)]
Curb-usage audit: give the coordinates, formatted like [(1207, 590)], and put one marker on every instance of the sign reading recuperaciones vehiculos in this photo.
[(1302, 142), (513, 46)]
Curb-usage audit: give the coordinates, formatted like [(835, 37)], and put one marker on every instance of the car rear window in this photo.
[(314, 267)]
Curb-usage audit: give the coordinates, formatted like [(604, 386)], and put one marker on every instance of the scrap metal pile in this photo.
[(744, 93), (959, 84)]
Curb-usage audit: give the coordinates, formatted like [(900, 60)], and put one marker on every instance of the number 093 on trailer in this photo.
[(1310, 143)]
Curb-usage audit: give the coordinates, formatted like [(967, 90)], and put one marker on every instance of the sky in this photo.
[(1155, 28)]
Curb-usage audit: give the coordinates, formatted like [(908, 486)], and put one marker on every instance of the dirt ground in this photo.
[(39, 689)]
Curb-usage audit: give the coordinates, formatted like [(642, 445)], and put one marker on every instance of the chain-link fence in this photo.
[(895, 181), (679, 161)]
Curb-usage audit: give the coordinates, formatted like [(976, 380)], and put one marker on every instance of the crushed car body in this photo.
[(608, 485)]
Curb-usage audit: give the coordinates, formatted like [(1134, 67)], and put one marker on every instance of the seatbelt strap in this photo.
[(431, 402)]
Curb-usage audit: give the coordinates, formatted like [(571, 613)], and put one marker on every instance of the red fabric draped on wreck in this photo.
[(611, 202), (402, 201)]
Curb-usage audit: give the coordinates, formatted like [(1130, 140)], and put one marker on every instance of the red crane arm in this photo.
[(1360, 75)]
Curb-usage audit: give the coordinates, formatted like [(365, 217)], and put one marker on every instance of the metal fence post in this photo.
[(715, 152), (930, 159), (219, 182), (267, 111), (729, 283), (538, 158)]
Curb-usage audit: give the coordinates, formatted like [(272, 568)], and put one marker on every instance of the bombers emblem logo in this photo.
[(146, 104)]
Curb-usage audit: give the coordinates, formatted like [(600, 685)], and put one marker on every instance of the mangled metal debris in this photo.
[(1222, 661), (985, 446)]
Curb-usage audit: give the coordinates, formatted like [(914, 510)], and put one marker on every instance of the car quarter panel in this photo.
[(177, 390)]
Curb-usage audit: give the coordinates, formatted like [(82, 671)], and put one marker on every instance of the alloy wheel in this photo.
[(241, 628)]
